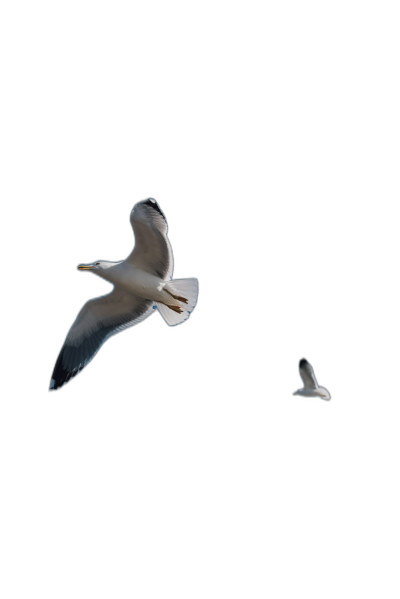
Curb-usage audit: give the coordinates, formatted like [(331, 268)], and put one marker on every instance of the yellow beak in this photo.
[(84, 267)]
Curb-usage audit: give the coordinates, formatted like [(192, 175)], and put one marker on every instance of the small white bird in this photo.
[(311, 387), (142, 283)]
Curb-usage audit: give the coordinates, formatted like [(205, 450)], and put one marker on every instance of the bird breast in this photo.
[(136, 281)]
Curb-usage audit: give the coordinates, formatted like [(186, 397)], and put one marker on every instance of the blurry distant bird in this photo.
[(311, 387), (142, 282)]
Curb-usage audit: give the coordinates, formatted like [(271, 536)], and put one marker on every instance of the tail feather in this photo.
[(171, 317), (186, 291)]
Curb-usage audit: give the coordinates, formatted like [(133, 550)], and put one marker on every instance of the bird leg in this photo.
[(178, 297), (176, 309)]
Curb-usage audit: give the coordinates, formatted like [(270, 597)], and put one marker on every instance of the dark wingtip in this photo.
[(60, 375), (303, 362), (153, 204)]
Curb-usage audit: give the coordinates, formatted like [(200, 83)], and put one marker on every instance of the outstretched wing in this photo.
[(152, 251), (96, 322), (307, 375)]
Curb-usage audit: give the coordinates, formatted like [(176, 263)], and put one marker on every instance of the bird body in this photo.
[(136, 281), (311, 387), (320, 392), (142, 283)]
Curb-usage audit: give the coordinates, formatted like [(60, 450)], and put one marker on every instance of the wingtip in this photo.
[(58, 387), (303, 362), (153, 204), (54, 385)]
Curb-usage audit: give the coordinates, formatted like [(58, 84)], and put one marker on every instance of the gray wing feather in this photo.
[(99, 319), (152, 251), (307, 375)]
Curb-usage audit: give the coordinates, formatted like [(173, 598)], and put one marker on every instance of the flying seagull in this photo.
[(311, 387), (142, 283)]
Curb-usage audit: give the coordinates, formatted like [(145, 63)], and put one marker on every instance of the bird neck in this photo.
[(110, 273)]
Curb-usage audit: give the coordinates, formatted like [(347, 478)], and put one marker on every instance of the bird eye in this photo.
[(97, 264)]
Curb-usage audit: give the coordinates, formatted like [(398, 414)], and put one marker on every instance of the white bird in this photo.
[(142, 283), (311, 387)]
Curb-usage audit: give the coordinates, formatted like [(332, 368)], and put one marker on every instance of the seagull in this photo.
[(311, 387), (142, 283)]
